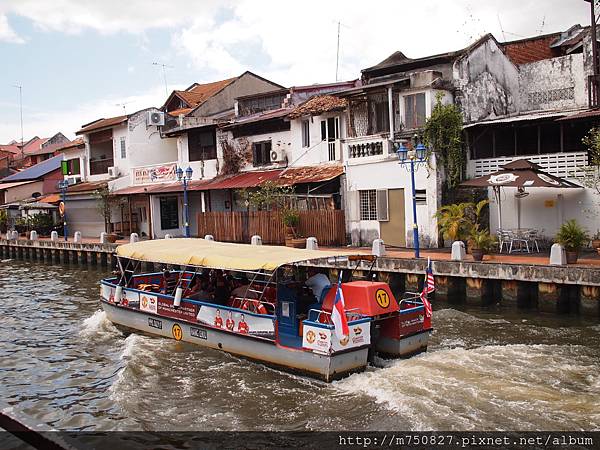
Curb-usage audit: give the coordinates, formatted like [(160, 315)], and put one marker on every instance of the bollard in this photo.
[(557, 255), (77, 237), (378, 248), (209, 237), (54, 236), (33, 235), (168, 236), (103, 237), (312, 243), (133, 238), (458, 251), (256, 240)]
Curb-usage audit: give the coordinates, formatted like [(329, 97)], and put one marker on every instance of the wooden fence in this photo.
[(328, 226)]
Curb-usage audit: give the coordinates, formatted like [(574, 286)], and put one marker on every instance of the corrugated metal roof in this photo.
[(522, 117), (581, 115), (15, 184), (37, 171), (86, 187), (243, 180), (158, 188), (259, 117), (310, 174)]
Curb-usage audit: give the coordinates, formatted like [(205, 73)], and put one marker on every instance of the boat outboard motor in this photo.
[(178, 295)]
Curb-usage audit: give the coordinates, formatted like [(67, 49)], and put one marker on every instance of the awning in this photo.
[(219, 255), (159, 188), (522, 118), (310, 174), (243, 180), (51, 198), (590, 113)]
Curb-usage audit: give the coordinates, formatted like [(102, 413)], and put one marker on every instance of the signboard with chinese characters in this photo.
[(154, 174)]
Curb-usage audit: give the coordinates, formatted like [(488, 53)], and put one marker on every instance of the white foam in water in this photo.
[(98, 326), (487, 388)]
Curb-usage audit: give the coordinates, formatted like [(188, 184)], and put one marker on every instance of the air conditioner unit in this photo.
[(113, 172), (277, 155), (73, 180), (156, 118)]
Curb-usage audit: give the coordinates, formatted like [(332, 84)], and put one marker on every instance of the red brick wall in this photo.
[(531, 50)]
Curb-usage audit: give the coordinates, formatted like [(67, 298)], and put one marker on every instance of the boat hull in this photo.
[(322, 366), (403, 347)]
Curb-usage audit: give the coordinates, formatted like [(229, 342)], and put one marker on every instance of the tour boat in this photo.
[(276, 320)]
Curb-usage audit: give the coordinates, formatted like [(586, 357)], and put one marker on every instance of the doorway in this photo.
[(393, 230)]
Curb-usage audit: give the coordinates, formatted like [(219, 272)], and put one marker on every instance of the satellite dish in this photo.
[(521, 193)]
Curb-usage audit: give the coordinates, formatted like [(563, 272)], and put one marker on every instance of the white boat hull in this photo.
[(327, 367)]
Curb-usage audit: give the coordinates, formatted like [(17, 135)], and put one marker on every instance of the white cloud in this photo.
[(7, 34), (47, 123)]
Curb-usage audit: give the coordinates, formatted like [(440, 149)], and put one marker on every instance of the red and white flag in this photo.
[(338, 313), (428, 286)]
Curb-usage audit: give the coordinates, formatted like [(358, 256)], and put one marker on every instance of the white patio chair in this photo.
[(533, 236), (504, 238), (520, 239)]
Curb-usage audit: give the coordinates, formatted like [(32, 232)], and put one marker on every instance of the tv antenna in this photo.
[(20, 88), (541, 30), (123, 105), (164, 66), (337, 56), (501, 29)]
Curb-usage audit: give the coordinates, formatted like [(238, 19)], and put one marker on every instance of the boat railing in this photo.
[(253, 305), (351, 315), (413, 300)]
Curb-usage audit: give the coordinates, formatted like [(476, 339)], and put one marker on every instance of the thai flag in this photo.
[(338, 313), (428, 286)]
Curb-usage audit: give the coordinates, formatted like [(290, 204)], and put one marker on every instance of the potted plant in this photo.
[(452, 221), (3, 221), (596, 240), (291, 220), (106, 202), (572, 237), (481, 243)]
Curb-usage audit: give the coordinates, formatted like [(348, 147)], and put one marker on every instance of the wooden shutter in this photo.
[(352, 206), (382, 205)]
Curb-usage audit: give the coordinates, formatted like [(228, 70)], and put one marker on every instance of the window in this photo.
[(383, 213), (414, 110), (123, 149), (261, 152), (73, 167), (330, 132), (420, 196), (169, 213), (305, 133), (368, 205), (202, 145), (382, 117)]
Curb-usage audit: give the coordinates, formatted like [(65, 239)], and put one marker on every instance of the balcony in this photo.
[(571, 164), (368, 148), (100, 166)]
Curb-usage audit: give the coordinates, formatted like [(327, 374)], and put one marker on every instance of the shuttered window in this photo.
[(261, 153), (123, 149), (305, 133), (382, 205), (414, 111)]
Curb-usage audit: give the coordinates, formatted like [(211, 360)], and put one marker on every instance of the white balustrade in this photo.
[(571, 164)]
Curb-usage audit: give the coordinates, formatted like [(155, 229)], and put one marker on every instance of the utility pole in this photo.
[(337, 56), (20, 88), (164, 74), (122, 105)]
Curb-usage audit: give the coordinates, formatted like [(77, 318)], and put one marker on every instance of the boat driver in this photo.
[(318, 283), (242, 289)]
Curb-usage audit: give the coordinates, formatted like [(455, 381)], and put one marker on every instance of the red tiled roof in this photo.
[(77, 142), (319, 105), (530, 50), (102, 123), (11, 148), (86, 187), (199, 93), (183, 111)]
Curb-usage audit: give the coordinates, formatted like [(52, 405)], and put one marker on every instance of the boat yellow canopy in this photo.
[(219, 255)]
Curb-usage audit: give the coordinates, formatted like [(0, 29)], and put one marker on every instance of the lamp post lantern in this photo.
[(411, 160), (63, 185), (185, 178)]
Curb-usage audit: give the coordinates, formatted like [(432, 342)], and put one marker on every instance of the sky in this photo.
[(80, 60)]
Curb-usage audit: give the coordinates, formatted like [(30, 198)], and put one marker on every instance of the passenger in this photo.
[(202, 294), (168, 283), (317, 282), (221, 291)]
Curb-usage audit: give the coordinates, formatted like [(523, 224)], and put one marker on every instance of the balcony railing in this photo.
[(572, 164), (100, 166), (368, 146)]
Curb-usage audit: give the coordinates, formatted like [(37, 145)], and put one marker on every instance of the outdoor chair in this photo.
[(519, 239), (533, 236), (504, 238)]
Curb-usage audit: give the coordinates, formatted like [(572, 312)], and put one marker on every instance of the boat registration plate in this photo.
[(198, 333), (155, 323)]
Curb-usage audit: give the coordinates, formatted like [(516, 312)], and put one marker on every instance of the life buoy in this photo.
[(244, 305), (260, 309)]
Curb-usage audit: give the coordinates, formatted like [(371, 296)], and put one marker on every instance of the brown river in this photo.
[(63, 363)]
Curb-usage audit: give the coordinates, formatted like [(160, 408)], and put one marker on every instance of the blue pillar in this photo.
[(64, 200), (414, 205)]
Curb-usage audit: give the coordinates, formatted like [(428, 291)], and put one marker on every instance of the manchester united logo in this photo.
[(310, 336)]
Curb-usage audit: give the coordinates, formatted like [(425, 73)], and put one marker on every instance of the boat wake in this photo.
[(488, 388), (98, 327)]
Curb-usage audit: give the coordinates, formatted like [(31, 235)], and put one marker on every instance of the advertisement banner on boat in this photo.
[(148, 303), (236, 322), (325, 340), (186, 311)]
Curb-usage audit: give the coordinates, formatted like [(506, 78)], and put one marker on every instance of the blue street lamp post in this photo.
[(63, 185), (411, 161), (185, 180)]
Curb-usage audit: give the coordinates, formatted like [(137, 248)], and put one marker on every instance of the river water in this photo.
[(64, 363)]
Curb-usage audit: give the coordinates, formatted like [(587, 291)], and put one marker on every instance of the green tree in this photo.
[(443, 135), (105, 202)]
